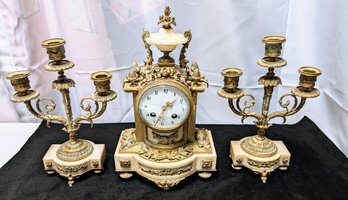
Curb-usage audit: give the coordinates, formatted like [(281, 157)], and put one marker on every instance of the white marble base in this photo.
[(72, 170), (165, 174), (259, 165)]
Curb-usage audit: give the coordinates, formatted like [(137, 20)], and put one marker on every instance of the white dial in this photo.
[(164, 107)]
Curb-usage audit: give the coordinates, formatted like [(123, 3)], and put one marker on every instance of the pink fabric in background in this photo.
[(106, 35)]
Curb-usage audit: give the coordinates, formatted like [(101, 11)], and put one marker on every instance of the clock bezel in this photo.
[(165, 82)]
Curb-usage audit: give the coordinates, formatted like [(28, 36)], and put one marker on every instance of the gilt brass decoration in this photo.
[(76, 156), (125, 163), (166, 172), (156, 155), (207, 164), (257, 152), (165, 146)]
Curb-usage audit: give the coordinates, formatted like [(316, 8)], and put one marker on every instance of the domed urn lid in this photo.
[(166, 39)]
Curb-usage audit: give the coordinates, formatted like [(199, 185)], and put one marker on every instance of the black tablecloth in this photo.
[(318, 170)]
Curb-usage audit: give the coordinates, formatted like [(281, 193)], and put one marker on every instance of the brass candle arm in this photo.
[(91, 115), (236, 108), (287, 112), (45, 116)]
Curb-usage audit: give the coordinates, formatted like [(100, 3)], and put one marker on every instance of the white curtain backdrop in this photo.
[(106, 35)]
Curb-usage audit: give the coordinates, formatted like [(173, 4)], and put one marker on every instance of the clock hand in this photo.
[(163, 109), (170, 104)]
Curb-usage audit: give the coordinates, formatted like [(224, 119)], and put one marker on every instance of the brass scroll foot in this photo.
[(264, 176), (70, 181), (264, 179)]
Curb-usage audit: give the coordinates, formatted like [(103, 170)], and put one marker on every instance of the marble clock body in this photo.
[(165, 146)]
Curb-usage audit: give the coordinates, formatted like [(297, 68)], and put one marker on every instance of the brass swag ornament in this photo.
[(165, 146), (257, 152), (76, 156)]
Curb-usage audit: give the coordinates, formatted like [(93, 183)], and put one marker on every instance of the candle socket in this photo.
[(20, 81), (273, 45), (55, 48), (308, 77), (231, 79), (102, 82)]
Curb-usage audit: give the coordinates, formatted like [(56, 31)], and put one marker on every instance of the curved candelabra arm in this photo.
[(245, 113), (45, 114), (88, 108), (296, 106)]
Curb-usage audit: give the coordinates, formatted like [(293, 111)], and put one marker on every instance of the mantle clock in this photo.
[(165, 146)]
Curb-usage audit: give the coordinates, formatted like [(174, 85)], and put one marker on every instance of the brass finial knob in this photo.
[(166, 19)]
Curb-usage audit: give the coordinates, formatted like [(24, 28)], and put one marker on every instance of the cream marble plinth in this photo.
[(72, 170), (259, 165), (130, 157)]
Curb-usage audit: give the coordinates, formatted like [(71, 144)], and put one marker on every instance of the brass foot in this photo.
[(70, 181), (98, 171), (50, 172), (205, 175), (236, 167), (264, 176), (264, 179), (283, 168), (126, 175)]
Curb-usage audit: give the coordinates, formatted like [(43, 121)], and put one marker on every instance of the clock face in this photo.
[(164, 107)]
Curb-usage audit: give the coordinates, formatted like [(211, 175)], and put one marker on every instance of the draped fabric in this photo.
[(106, 35)]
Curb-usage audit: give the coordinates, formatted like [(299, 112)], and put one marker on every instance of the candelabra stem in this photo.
[(68, 112), (67, 106), (268, 90), (263, 122)]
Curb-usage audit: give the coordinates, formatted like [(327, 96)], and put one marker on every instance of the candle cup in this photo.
[(231, 79), (20, 81), (102, 82), (308, 77), (273, 46), (55, 48)]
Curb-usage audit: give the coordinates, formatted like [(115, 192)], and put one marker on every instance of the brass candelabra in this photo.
[(76, 156), (257, 152)]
